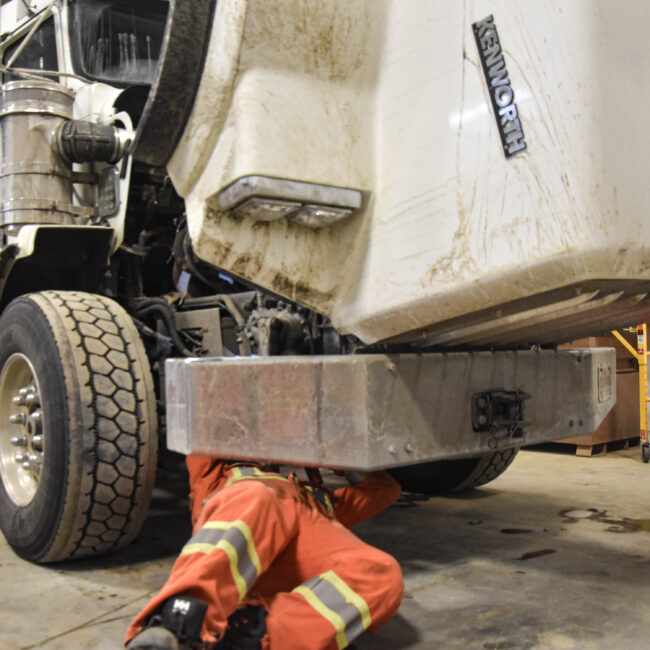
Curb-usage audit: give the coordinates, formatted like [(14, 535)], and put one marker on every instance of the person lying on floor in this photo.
[(272, 564)]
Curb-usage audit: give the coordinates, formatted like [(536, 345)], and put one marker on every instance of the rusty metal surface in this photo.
[(373, 411)]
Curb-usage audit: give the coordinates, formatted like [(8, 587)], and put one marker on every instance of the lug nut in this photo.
[(37, 443), (18, 400), (21, 458), (17, 418), (26, 465), (31, 398), (18, 441)]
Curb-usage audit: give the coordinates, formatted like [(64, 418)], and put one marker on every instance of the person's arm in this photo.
[(366, 495), (206, 474)]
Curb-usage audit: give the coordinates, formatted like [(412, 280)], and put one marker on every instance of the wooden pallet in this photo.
[(583, 449), (600, 448)]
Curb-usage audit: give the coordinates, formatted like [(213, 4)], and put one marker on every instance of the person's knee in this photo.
[(392, 573), (389, 587), (375, 569)]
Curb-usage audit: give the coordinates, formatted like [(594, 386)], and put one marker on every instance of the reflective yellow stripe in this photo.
[(257, 478), (228, 549), (350, 596), (188, 549), (327, 613), (233, 559), (246, 532)]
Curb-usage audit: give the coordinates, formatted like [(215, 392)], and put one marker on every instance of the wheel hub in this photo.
[(21, 430)]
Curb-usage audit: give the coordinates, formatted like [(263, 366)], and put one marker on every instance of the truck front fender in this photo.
[(53, 257)]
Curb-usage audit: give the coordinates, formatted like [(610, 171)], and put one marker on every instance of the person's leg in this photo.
[(241, 530), (344, 588)]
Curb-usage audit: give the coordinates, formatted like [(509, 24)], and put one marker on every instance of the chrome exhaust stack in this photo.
[(40, 144), (35, 181)]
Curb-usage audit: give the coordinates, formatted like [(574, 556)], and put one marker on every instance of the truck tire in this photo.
[(78, 438), (443, 476)]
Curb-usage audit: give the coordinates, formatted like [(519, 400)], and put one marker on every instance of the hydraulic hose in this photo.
[(160, 307)]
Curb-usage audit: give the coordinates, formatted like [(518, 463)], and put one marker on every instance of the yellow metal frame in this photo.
[(641, 356)]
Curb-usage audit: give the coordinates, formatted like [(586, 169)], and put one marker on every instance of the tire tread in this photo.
[(490, 467), (118, 474)]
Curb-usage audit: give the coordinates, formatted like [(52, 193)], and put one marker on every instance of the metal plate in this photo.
[(374, 411)]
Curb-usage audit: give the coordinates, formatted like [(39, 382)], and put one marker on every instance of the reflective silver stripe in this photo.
[(246, 470), (337, 596), (226, 535)]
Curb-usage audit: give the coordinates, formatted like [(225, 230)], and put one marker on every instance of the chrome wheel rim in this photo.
[(21, 430)]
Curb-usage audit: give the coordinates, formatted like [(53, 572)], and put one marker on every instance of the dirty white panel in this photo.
[(390, 98)]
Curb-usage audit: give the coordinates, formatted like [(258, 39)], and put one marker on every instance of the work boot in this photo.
[(246, 628), (175, 626), (154, 638)]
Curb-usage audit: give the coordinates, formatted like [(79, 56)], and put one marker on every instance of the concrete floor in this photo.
[(504, 567)]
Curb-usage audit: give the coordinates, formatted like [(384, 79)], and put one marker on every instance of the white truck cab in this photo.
[(338, 234)]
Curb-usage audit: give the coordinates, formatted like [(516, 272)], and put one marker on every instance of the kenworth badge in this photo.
[(501, 93)]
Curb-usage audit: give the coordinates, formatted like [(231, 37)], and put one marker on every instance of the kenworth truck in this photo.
[(325, 233)]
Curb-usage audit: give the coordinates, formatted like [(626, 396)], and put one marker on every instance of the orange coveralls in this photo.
[(262, 539)]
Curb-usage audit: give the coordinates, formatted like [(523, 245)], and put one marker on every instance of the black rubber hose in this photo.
[(81, 142), (160, 307), (222, 299)]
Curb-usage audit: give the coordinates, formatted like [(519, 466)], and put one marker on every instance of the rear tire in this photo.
[(443, 476), (77, 405)]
